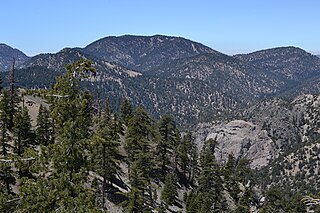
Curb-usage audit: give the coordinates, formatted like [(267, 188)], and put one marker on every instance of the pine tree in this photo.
[(230, 179), (72, 114), (187, 156), (139, 134), (13, 98), (7, 177), (62, 178), (126, 111), (44, 130), (106, 142), (274, 201), (169, 192), (209, 180), (4, 124), (23, 135), (140, 162), (243, 171), (165, 146)]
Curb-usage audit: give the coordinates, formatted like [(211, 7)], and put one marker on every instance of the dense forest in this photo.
[(83, 157)]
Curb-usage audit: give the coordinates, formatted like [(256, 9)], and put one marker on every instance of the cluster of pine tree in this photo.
[(80, 157)]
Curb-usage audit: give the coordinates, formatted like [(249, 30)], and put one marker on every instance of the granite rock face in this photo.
[(266, 130), (242, 139)]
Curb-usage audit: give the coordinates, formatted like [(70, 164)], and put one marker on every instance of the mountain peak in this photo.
[(7, 54), (136, 52)]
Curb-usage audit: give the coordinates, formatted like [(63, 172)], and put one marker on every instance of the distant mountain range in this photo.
[(7, 54), (177, 76)]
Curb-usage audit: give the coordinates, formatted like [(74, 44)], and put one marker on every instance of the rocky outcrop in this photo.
[(242, 139), (267, 130)]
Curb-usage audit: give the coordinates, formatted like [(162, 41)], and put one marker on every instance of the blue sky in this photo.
[(229, 26)]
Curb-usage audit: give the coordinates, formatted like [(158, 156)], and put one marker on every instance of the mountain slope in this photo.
[(266, 131), (193, 99), (290, 63), (144, 52), (223, 73), (177, 76), (7, 54)]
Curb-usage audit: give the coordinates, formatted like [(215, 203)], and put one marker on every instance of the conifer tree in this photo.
[(44, 130), (230, 178), (169, 192), (138, 141), (126, 111), (22, 132), (7, 177), (62, 181), (72, 114), (187, 156), (209, 180), (106, 142), (165, 146), (4, 124)]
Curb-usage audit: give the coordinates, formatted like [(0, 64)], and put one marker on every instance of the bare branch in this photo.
[(11, 161)]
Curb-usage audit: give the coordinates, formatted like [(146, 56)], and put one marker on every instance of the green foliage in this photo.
[(105, 143), (72, 114), (187, 156), (274, 201), (166, 145), (4, 123), (44, 130), (7, 176), (8, 201), (56, 193), (138, 146), (209, 180), (139, 134), (169, 192), (126, 111), (23, 135)]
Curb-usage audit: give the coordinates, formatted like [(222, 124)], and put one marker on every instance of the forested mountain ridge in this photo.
[(290, 63), (7, 54), (206, 84), (144, 52), (224, 73)]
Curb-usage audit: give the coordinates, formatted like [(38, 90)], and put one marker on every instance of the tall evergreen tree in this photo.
[(209, 180), (22, 132), (169, 192), (165, 146), (66, 187), (72, 114), (106, 142), (7, 177), (138, 146), (44, 130), (4, 124), (187, 156), (126, 111)]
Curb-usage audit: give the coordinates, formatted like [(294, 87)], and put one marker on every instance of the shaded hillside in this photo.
[(290, 63), (7, 54), (223, 73)]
